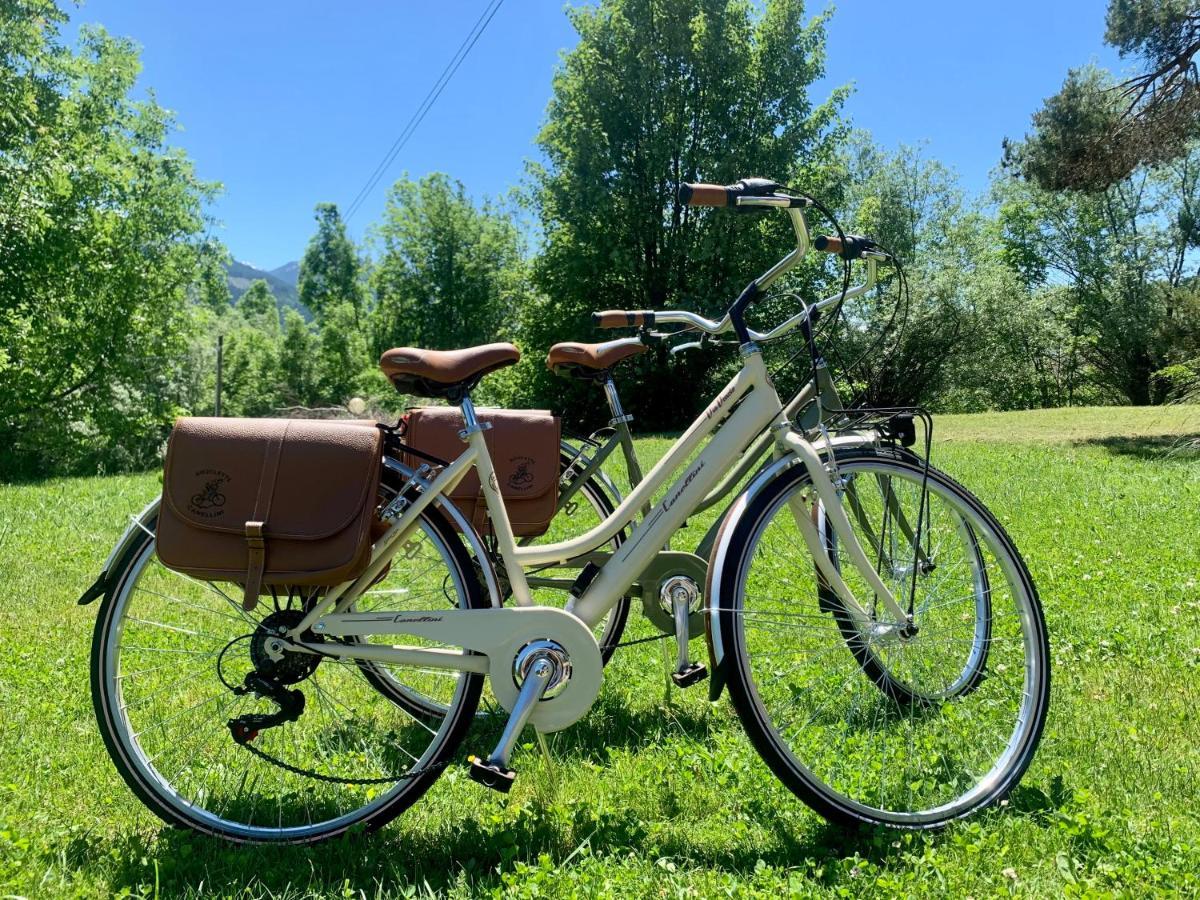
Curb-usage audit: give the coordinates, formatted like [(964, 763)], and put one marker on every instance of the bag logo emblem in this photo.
[(521, 479), (209, 501)]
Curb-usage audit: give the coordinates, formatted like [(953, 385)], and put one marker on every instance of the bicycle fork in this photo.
[(827, 495)]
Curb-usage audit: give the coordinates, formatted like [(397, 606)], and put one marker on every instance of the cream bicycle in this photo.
[(263, 728)]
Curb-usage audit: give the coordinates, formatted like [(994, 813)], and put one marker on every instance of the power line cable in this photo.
[(452, 66)]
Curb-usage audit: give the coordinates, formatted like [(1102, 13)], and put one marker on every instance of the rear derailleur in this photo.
[(246, 728), (275, 668)]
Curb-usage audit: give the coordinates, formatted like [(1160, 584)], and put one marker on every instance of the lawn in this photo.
[(662, 795)]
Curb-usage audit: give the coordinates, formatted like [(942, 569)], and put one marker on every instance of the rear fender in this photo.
[(138, 525)]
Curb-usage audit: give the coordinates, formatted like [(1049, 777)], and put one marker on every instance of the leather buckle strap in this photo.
[(254, 536), (255, 564), (255, 539)]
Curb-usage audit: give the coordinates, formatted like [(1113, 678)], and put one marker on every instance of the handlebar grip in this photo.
[(828, 244), (853, 246), (622, 318), (705, 195)]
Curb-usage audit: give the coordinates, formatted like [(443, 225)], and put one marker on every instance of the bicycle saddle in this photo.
[(587, 360), (444, 373)]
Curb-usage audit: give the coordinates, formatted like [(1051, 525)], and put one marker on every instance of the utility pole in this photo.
[(220, 354)]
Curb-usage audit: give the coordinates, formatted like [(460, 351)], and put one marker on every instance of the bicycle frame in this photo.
[(823, 390), (744, 410)]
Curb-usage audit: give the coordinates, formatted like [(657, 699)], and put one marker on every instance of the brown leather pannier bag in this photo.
[(269, 501), (524, 446)]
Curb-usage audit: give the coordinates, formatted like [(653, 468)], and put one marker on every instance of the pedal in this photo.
[(494, 776), (541, 666), (693, 674)]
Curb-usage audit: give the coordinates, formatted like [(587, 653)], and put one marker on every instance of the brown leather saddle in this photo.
[(591, 361), (444, 373)]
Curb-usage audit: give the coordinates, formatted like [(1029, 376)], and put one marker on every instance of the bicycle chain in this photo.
[(337, 779)]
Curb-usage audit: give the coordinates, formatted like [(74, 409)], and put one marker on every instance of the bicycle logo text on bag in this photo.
[(209, 501), (521, 479)]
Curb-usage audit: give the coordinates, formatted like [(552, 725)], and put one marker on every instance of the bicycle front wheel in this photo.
[(913, 727)]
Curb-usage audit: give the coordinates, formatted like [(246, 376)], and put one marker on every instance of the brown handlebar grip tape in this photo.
[(707, 195), (618, 318), (828, 244)]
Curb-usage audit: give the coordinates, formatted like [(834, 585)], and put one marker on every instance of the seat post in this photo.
[(499, 526), (469, 420), (620, 421), (614, 403)]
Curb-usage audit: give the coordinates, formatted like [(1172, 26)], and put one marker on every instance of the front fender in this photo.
[(713, 599)]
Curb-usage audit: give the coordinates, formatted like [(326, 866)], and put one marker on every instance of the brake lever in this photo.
[(705, 341)]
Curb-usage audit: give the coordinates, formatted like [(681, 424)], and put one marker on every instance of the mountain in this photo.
[(288, 273), (281, 281)]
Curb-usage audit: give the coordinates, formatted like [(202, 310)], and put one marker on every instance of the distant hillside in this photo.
[(288, 273), (281, 281)]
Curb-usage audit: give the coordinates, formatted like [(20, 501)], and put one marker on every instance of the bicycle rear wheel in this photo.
[(169, 653), (912, 758)]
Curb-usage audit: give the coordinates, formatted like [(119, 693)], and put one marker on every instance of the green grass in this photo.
[(668, 799)]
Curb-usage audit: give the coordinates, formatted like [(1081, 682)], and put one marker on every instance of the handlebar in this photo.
[(704, 195), (853, 246), (622, 318), (724, 324), (747, 193), (755, 193)]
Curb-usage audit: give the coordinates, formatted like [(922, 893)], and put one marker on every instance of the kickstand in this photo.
[(669, 684), (551, 766)]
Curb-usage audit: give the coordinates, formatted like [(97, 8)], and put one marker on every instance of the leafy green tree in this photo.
[(341, 355), (212, 281), (251, 384), (655, 93), (330, 272), (297, 360), (450, 274), (100, 240), (897, 346), (1126, 256), (259, 308), (1094, 132)]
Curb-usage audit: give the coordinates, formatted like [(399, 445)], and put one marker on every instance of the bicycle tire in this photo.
[(156, 796), (795, 774)]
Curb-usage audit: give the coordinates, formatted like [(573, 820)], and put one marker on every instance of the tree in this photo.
[(100, 239), (1126, 257), (297, 360), (897, 345), (658, 92), (450, 274), (341, 354), (1094, 132), (330, 272), (259, 308), (212, 280)]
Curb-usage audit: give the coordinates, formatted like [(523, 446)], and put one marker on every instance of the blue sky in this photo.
[(292, 103)]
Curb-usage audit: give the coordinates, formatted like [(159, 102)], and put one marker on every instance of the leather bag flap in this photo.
[(523, 444), (326, 472)]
